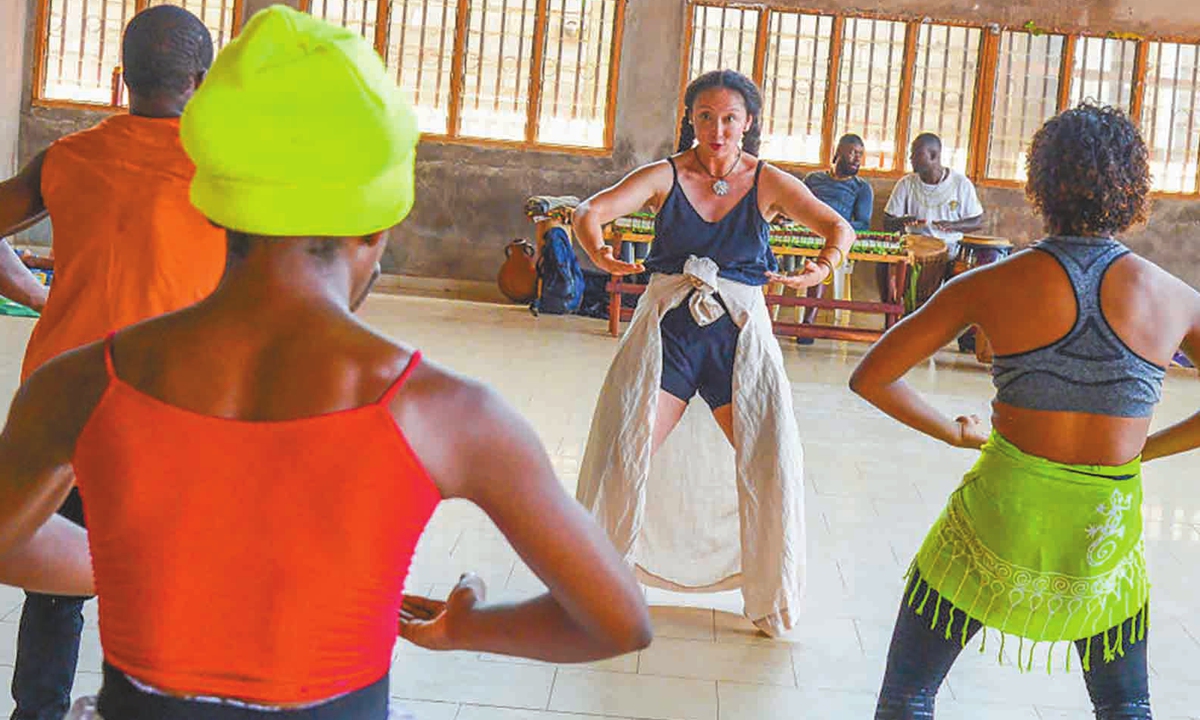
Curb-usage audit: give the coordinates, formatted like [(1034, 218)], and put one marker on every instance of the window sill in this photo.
[(516, 145), (78, 105)]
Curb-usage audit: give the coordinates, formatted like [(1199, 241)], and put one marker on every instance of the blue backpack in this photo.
[(560, 277)]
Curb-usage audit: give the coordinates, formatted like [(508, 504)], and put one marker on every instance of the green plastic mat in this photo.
[(15, 309)]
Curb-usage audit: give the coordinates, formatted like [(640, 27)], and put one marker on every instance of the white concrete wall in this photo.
[(12, 57)]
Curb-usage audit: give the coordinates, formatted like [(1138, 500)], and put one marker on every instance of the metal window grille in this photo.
[(356, 15), (794, 86), (499, 53), (83, 47), (576, 67), (944, 72), (1103, 71), (723, 38), (420, 54), (1171, 115), (1026, 95), (869, 87)]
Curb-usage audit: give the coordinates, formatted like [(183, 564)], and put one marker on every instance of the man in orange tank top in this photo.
[(128, 246)]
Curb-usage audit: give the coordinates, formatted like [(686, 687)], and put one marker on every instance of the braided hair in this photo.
[(732, 80), (163, 48)]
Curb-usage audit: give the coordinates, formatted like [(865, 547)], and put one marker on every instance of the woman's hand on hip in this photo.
[(972, 433), (435, 624)]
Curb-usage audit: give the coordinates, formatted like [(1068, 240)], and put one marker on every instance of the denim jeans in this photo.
[(48, 646), (920, 657)]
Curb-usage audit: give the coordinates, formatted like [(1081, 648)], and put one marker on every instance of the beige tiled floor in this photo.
[(873, 488)]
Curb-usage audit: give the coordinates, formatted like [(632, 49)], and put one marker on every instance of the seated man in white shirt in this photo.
[(933, 200)]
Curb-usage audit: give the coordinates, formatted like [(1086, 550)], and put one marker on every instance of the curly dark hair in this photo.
[(723, 79), (1089, 172)]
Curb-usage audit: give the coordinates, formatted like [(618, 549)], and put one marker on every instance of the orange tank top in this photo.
[(128, 245), (262, 561)]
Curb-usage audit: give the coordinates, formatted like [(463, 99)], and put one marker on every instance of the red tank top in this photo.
[(255, 560)]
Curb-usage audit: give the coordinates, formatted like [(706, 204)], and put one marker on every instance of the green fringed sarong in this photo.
[(1041, 550)]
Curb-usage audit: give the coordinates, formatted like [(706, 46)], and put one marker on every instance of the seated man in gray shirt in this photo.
[(841, 189)]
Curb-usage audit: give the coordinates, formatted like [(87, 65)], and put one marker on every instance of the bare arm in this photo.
[(635, 191), (594, 608), (785, 195), (1184, 435), (17, 283), (879, 377), (54, 561), (21, 206), (36, 448)]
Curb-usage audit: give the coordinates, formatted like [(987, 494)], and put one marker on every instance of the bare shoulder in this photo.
[(1147, 278), (999, 277), (52, 407), (454, 423), (773, 176), (434, 392), (659, 174), (779, 189)]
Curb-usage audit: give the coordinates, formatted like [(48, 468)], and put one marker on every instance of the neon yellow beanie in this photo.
[(298, 130)]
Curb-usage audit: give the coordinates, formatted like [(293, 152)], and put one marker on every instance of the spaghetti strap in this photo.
[(390, 393), (109, 365), (758, 171), (674, 171)]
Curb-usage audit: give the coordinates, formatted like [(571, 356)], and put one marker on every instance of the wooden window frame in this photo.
[(41, 47), (985, 81), (533, 103), (380, 42)]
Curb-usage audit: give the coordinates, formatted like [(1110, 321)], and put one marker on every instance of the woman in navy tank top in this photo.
[(714, 200)]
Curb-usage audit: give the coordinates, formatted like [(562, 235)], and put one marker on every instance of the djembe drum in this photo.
[(931, 258), (930, 263)]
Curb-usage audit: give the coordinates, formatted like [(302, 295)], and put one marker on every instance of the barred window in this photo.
[(947, 63), (496, 68), (357, 15), (795, 85), (869, 87), (518, 71), (83, 48), (723, 38), (1102, 71), (420, 55), (81, 57), (576, 71), (1026, 95), (1171, 115)]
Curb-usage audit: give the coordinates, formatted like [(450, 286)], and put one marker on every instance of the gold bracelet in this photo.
[(832, 268), (841, 257)]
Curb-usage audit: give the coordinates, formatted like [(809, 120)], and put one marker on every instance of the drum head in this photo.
[(985, 241), (924, 246)]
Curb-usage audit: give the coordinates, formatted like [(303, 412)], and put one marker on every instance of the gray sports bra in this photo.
[(1089, 369)]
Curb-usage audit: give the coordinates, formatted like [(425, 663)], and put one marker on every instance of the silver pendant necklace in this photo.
[(719, 187)]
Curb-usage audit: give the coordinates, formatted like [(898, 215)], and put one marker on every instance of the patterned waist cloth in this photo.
[(1040, 550)]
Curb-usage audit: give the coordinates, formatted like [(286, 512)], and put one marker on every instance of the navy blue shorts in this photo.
[(698, 359)]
